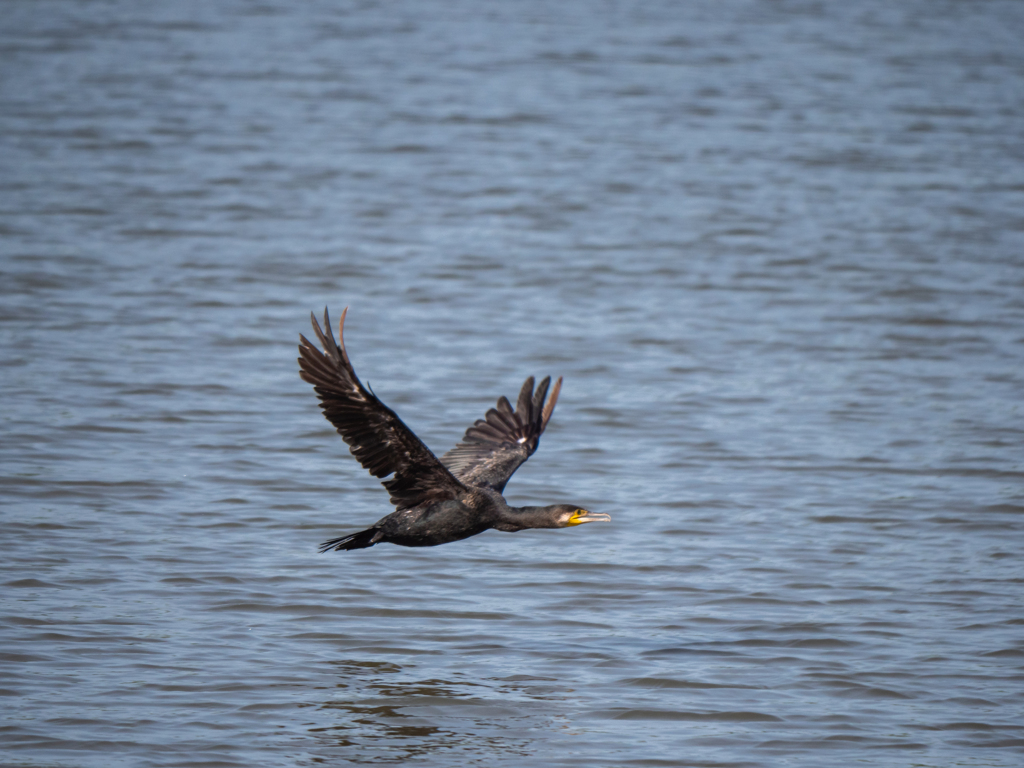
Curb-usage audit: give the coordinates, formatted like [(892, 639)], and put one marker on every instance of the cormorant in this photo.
[(436, 501)]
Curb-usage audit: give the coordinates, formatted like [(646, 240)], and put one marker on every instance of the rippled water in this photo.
[(774, 248)]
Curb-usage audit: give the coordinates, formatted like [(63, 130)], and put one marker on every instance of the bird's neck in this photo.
[(520, 518)]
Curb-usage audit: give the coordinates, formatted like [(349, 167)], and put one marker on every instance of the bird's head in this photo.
[(569, 515), (553, 516)]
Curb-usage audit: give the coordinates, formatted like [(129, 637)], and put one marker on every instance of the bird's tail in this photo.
[(360, 540)]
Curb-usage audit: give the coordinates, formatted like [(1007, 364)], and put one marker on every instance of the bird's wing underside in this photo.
[(381, 442), (497, 445)]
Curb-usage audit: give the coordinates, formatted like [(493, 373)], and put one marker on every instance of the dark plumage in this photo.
[(436, 500)]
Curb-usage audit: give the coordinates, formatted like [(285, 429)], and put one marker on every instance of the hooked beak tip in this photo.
[(596, 517)]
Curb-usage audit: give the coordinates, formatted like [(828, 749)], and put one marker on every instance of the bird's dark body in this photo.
[(432, 524), (437, 500)]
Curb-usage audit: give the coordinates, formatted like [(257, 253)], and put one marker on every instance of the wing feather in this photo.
[(524, 405), (498, 444), (380, 440)]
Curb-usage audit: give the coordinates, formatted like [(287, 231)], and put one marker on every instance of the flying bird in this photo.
[(436, 500)]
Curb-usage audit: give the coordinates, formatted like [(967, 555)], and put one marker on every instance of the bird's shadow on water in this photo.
[(381, 712)]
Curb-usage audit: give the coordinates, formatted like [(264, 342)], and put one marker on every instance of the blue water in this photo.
[(775, 249)]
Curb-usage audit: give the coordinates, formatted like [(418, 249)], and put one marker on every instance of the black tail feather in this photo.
[(360, 540)]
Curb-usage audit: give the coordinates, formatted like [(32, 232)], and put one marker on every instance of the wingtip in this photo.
[(549, 407), (524, 403), (341, 327), (326, 335)]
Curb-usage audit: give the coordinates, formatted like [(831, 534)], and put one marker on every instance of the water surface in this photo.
[(774, 249)]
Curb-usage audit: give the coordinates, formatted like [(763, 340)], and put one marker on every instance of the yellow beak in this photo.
[(589, 517)]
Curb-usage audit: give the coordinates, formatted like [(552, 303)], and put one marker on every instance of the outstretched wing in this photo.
[(497, 445), (374, 433)]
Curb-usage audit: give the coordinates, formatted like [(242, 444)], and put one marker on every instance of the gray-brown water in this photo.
[(776, 250)]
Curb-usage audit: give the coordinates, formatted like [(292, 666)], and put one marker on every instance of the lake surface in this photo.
[(775, 249)]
